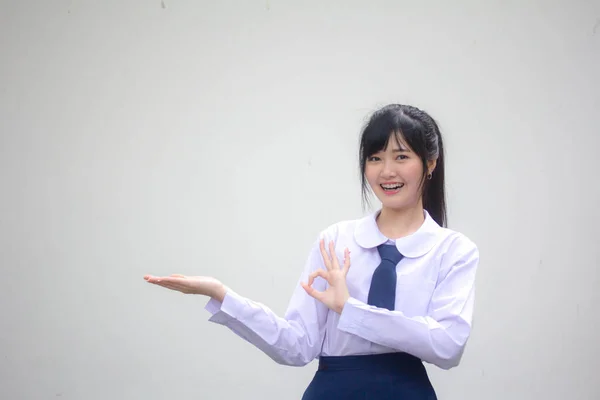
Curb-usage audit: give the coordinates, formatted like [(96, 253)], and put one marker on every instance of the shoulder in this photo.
[(457, 241), (341, 230), (339, 233), (457, 249)]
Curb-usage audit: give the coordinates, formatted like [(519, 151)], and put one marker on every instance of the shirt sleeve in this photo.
[(295, 339), (438, 338)]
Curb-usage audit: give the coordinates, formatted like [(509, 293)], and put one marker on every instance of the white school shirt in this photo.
[(433, 309)]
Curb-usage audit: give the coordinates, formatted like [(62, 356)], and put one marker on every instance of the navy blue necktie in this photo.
[(383, 284)]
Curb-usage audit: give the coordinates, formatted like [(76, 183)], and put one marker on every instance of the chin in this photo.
[(396, 204), (393, 205)]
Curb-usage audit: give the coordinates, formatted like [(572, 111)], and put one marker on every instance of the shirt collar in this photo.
[(417, 244)]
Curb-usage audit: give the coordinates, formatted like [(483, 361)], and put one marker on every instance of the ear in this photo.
[(431, 166)]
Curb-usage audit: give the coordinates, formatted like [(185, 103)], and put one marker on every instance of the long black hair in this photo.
[(419, 131)]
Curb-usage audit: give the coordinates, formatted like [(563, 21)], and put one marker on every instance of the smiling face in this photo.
[(400, 146), (395, 174)]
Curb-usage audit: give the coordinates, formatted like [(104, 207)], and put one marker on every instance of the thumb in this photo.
[(312, 292)]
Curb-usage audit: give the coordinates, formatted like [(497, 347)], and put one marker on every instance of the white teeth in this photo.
[(392, 186)]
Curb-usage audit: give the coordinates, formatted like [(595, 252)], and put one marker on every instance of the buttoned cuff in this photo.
[(223, 312), (351, 316)]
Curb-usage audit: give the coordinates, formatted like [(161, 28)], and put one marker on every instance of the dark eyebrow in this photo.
[(400, 150)]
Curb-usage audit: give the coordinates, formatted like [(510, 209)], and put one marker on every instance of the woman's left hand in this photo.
[(336, 295)]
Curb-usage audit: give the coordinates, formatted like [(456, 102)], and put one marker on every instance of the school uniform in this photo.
[(371, 351)]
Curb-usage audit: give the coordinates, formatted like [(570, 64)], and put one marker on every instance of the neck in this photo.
[(397, 223)]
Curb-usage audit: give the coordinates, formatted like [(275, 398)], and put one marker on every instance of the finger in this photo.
[(171, 283), (155, 279), (312, 292), (167, 280), (172, 278), (173, 286), (326, 259), (346, 261), (318, 272), (335, 262), (150, 278)]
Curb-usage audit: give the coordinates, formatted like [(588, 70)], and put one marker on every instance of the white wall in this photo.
[(196, 137)]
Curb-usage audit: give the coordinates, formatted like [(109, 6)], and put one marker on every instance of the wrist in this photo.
[(340, 306), (219, 293)]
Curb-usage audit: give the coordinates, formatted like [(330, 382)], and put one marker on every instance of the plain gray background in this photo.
[(219, 138)]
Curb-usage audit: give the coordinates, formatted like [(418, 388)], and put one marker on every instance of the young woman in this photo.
[(379, 295)]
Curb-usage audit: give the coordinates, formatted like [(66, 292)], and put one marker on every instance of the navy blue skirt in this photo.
[(374, 377)]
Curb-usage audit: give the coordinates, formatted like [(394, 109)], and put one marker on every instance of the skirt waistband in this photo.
[(389, 361)]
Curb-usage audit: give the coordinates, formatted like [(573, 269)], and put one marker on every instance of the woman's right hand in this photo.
[(203, 285)]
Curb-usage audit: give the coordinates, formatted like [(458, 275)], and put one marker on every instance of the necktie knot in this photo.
[(389, 253)]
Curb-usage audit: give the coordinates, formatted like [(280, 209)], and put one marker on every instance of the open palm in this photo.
[(203, 285)]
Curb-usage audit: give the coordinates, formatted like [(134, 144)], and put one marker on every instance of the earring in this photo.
[(429, 175)]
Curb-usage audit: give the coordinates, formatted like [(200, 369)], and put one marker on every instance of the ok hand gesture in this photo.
[(336, 295)]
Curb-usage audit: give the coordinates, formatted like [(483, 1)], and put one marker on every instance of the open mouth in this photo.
[(391, 188)]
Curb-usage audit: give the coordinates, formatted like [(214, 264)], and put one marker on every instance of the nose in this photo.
[(388, 172)]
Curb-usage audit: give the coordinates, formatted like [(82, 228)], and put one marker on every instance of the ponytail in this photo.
[(434, 191)]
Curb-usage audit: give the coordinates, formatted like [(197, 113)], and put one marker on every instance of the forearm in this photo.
[(292, 340), (437, 343), (296, 338)]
